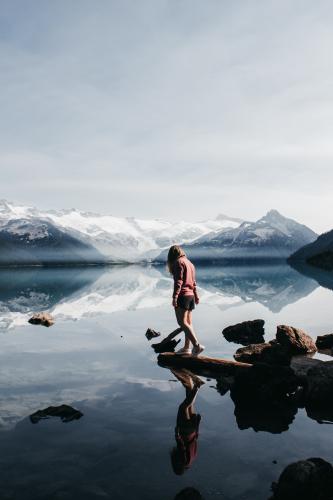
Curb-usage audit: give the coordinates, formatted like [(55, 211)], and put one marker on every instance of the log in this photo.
[(203, 364)]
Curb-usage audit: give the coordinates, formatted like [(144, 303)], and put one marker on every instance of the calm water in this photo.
[(97, 360)]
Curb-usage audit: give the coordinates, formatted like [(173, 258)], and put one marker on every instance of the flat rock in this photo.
[(295, 340), (203, 364), (268, 352), (310, 479), (245, 333), (42, 318), (325, 341), (65, 412)]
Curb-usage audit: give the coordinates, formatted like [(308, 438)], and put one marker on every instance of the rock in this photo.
[(65, 412), (165, 346), (310, 479), (151, 334), (325, 341), (269, 352), (295, 340), (42, 318), (245, 333)]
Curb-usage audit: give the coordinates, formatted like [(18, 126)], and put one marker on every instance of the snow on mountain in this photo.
[(272, 236), (119, 238)]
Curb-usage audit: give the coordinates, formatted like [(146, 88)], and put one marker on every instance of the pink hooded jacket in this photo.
[(184, 278)]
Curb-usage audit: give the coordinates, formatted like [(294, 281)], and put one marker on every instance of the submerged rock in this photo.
[(42, 318), (151, 334), (65, 412), (325, 341), (245, 333), (269, 352), (310, 479), (295, 340)]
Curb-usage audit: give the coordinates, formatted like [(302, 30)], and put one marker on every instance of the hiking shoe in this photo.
[(197, 349), (183, 351)]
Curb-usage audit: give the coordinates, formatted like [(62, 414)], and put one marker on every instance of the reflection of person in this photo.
[(187, 426), (184, 298)]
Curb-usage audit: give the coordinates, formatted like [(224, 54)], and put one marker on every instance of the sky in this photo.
[(177, 109)]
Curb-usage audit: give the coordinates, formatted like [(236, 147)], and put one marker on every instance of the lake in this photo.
[(97, 360)]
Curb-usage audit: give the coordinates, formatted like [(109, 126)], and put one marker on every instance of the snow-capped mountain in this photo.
[(273, 236), (115, 239), (37, 241)]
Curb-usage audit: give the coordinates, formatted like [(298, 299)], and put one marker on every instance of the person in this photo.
[(184, 298), (187, 425)]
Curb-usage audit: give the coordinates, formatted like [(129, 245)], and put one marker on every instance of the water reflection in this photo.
[(74, 293), (274, 286), (187, 424), (322, 277)]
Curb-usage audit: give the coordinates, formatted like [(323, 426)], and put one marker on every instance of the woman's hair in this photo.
[(174, 253)]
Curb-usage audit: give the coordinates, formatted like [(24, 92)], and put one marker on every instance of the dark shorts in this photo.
[(186, 302)]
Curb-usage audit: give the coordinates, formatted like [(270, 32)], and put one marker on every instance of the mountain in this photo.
[(318, 253), (37, 241), (271, 237), (116, 239)]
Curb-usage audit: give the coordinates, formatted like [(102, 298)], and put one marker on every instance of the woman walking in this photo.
[(184, 298)]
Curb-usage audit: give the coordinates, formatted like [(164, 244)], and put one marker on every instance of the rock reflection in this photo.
[(187, 425), (189, 494)]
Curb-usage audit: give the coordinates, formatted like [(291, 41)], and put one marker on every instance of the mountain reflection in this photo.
[(322, 277), (274, 286), (73, 293)]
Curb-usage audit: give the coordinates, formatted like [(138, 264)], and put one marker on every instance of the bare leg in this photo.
[(181, 315)]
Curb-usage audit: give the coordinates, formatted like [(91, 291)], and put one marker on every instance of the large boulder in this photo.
[(310, 479), (245, 333), (295, 340), (269, 352), (325, 341)]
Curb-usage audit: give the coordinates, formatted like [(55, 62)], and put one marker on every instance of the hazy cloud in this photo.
[(159, 108)]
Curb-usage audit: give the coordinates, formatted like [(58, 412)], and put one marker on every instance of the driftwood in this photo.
[(202, 364)]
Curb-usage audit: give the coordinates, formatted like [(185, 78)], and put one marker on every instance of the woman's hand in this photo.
[(174, 302), (196, 299)]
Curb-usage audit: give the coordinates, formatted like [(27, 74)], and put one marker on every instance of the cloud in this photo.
[(215, 107)]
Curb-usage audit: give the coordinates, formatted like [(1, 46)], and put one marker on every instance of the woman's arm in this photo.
[(178, 275), (195, 292)]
